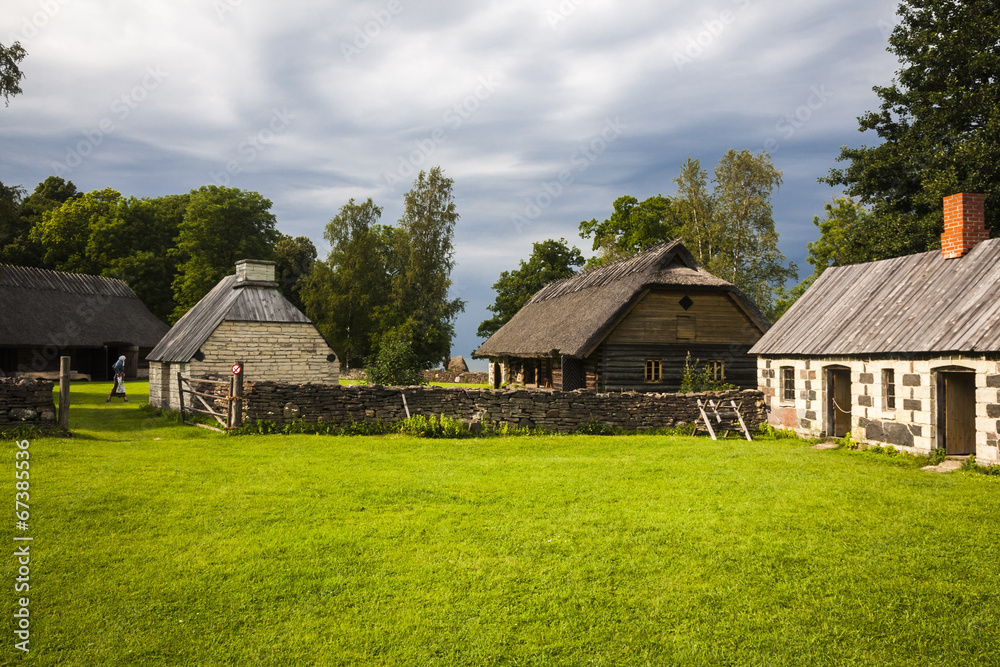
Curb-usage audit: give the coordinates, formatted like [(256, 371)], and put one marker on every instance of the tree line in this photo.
[(381, 287)]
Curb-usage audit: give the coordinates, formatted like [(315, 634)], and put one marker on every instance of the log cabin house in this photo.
[(93, 320), (629, 326), (245, 318), (903, 351)]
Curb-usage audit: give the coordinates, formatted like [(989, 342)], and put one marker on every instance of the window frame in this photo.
[(787, 374), (653, 372), (717, 369), (889, 389)]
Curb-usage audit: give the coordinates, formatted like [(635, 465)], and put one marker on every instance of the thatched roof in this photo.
[(572, 316), (40, 307), (916, 304), (228, 301)]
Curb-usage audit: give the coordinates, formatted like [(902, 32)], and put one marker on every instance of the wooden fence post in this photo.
[(180, 394), (238, 395), (64, 392)]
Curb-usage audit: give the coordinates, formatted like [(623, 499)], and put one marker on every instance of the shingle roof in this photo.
[(41, 307), (226, 302), (915, 304), (573, 315)]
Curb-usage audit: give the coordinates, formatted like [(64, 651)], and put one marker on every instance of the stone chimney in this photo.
[(964, 224), (255, 273)]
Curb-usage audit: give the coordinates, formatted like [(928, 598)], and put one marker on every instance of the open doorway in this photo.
[(838, 401), (956, 412)]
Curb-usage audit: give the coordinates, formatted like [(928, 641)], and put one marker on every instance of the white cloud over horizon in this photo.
[(320, 102)]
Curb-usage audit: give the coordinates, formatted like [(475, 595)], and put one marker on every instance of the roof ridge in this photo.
[(33, 277)]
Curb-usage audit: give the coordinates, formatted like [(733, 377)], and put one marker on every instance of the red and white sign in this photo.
[(237, 369)]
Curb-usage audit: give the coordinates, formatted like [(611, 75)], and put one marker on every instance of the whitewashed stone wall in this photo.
[(276, 351), (911, 426)]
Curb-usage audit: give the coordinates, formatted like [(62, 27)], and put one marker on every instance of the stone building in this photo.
[(91, 319), (903, 351), (629, 326), (243, 319)]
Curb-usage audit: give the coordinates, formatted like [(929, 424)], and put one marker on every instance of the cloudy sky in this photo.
[(312, 103)]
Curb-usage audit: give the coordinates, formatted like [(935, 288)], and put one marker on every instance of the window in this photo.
[(787, 383), (889, 389), (716, 370), (685, 327), (654, 370)]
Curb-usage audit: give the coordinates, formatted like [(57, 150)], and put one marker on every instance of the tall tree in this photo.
[(343, 293), (426, 254), (295, 259), (16, 246), (749, 256), (220, 226), (64, 233), (136, 246), (699, 226), (549, 261), (634, 226), (939, 126), (10, 73), (10, 215)]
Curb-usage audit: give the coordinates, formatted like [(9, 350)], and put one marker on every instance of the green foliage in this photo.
[(696, 378), (937, 126), (220, 226), (549, 261), (10, 73), (441, 426), (395, 363), (295, 258), (730, 230), (632, 228), (937, 456), (22, 432), (345, 291), (425, 252), (768, 431)]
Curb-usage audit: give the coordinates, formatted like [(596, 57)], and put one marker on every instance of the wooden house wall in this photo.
[(622, 367), (716, 320)]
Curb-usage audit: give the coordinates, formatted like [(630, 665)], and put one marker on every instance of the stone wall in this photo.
[(911, 424), (280, 351), (552, 411), (28, 402)]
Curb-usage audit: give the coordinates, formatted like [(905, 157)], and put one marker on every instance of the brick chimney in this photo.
[(964, 224), (255, 272)]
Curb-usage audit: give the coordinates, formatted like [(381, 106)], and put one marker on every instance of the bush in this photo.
[(695, 379), (395, 364)]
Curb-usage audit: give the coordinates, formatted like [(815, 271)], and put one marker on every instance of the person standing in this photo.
[(119, 388)]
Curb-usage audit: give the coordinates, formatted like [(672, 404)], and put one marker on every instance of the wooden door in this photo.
[(959, 413), (839, 402)]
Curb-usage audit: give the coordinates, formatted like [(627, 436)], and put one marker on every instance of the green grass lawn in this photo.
[(163, 544)]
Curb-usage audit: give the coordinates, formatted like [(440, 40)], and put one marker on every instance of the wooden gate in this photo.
[(200, 402)]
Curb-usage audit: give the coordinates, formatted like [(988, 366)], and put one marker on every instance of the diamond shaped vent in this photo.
[(686, 302)]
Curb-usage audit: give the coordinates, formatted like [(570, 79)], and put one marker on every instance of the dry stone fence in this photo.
[(553, 411), (26, 401)]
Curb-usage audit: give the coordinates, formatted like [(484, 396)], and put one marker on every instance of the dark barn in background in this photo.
[(93, 320), (629, 326)]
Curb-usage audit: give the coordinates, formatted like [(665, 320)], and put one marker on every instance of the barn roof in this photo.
[(915, 304), (572, 316), (41, 307), (228, 301)]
